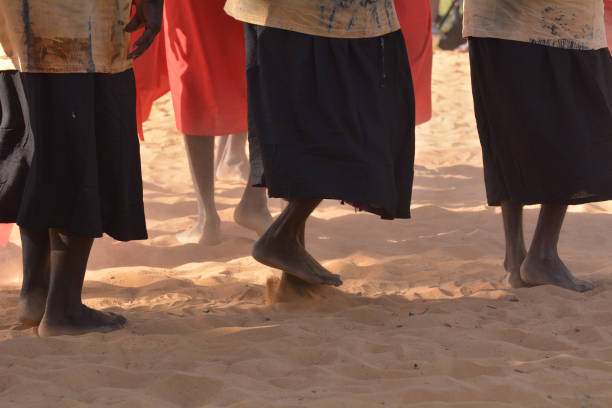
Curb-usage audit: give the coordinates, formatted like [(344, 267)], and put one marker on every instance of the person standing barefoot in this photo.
[(331, 116), (542, 97), (67, 96), (202, 55)]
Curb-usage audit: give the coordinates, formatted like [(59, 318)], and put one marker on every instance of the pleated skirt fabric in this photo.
[(332, 118), (544, 117), (79, 164)]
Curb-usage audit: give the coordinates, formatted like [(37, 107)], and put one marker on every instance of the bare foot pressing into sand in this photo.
[(81, 320), (203, 232), (282, 246), (552, 271), (31, 306), (65, 313), (289, 256)]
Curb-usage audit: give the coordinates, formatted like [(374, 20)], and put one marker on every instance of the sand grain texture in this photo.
[(424, 318)]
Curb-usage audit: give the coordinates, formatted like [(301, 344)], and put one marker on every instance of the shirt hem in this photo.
[(309, 30), (565, 44)]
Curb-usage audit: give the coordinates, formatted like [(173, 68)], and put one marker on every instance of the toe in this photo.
[(121, 320), (586, 285), (334, 280)]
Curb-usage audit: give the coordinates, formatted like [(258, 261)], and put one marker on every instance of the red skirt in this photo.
[(200, 58), (416, 20)]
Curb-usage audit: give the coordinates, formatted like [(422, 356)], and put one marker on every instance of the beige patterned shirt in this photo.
[(326, 18), (64, 36), (571, 24)]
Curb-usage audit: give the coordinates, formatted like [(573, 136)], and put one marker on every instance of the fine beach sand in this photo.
[(424, 318)]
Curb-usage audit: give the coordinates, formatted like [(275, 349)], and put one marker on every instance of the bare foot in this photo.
[(513, 269), (291, 257), (552, 271), (206, 233), (31, 306), (81, 321), (235, 167), (256, 219)]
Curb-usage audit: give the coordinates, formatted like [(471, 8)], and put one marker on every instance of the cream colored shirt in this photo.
[(571, 24), (65, 36), (327, 18)]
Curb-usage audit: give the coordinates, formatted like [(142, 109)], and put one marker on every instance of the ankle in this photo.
[(543, 255), (516, 255), (34, 290), (214, 220)]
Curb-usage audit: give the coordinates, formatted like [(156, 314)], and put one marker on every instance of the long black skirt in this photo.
[(71, 158), (545, 122), (332, 118)]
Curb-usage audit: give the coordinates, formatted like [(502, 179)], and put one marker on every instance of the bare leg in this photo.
[(201, 154), (252, 212), (543, 265), (36, 271), (291, 279), (234, 165), (281, 245), (515, 242), (220, 154), (65, 312)]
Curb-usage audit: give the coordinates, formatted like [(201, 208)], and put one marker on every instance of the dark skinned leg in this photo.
[(281, 246), (542, 266), (65, 312), (294, 281), (515, 242), (201, 154), (36, 271)]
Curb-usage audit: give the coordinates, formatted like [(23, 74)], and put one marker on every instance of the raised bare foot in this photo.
[(81, 321), (291, 257), (206, 233), (552, 271), (256, 219), (31, 306), (234, 167)]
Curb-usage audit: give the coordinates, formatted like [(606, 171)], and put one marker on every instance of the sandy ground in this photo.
[(424, 318)]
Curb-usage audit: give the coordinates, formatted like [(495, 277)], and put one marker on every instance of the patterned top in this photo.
[(571, 24), (326, 18), (64, 36)]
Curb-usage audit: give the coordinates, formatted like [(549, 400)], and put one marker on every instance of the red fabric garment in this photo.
[(416, 20), (152, 81), (608, 4), (200, 57), (5, 233)]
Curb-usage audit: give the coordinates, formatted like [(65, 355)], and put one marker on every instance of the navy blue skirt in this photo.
[(70, 154), (332, 118), (544, 117)]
